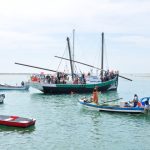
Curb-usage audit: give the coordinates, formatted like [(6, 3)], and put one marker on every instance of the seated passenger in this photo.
[(147, 103), (135, 100), (126, 104)]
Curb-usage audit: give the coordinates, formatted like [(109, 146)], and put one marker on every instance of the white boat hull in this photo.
[(10, 87), (112, 108)]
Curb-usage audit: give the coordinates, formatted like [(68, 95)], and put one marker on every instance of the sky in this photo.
[(34, 31)]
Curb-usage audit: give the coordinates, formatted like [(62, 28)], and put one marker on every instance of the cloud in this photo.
[(36, 30), (87, 16)]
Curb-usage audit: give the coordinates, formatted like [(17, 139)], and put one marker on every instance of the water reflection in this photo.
[(27, 130)]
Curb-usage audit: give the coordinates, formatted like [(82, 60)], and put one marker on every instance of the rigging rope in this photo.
[(61, 58)]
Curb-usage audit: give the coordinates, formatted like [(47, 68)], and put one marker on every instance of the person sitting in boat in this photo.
[(126, 104), (95, 96), (135, 100), (147, 103)]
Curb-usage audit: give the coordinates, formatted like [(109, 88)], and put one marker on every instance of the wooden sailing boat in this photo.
[(72, 87)]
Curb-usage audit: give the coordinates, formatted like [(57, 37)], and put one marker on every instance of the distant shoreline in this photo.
[(128, 74), (16, 73)]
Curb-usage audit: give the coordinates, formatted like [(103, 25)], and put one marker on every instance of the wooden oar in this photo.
[(112, 100), (91, 66)]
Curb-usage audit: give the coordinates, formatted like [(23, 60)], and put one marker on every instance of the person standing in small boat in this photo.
[(95, 96)]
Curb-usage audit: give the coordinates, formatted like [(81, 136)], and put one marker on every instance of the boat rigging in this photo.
[(61, 85), (102, 60)]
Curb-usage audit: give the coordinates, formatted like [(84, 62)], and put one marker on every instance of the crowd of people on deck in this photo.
[(59, 78), (108, 75), (62, 78), (50, 79), (80, 80)]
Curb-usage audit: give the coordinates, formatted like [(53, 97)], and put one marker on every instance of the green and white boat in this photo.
[(67, 87)]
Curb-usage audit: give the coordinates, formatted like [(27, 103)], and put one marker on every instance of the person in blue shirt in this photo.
[(135, 100), (147, 103)]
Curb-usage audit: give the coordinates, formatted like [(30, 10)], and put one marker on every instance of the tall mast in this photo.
[(68, 41), (102, 55), (73, 48)]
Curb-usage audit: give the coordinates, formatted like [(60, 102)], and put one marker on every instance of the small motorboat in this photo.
[(2, 96), (24, 86), (122, 108), (16, 121)]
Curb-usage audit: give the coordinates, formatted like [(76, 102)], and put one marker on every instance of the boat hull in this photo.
[(9, 87), (74, 88), (16, 121), (112, 108)]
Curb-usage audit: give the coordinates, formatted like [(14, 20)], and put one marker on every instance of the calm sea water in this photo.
[(62, 124)]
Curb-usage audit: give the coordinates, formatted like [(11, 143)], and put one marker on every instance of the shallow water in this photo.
[(62, 123)]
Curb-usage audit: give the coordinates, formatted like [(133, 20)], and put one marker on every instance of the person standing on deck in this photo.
[(95, 96)]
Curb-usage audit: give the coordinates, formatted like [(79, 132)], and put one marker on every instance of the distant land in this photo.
[(137, 74), (17, 73), (128, 74)]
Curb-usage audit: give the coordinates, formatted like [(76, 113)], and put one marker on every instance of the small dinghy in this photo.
[(2, 96), (24, 86), (16, 121), (122, 108)]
